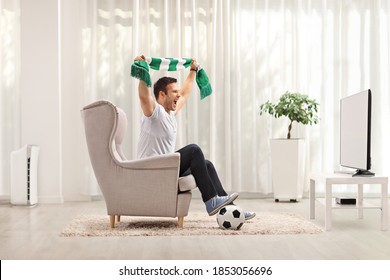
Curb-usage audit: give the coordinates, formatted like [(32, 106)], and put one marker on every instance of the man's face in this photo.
[(169, 100)]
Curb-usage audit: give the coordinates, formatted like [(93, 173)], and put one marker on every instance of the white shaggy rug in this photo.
[(194, 224)]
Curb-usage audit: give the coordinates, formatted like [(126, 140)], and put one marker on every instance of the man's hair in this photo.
[(161, 85)]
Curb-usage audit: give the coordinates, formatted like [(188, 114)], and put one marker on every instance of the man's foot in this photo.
[(249, 215), (214, 204)]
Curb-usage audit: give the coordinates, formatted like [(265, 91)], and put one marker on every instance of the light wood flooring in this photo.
[(33, 233)]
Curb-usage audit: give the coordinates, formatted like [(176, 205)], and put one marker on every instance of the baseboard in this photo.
[(82, 198), (50, 199), (5, 199), (350, 194)]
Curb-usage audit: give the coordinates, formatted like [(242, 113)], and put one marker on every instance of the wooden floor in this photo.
[(33, 233)]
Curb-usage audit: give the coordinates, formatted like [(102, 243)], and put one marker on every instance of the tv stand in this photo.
[(330, 179)]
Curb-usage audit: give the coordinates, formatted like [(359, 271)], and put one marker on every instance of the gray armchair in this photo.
[(145, 187)]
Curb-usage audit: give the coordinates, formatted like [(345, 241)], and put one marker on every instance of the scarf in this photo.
[(140, 70)]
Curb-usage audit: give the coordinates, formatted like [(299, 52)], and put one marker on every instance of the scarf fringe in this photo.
[(139, 71), (205, 91), (203, 83)]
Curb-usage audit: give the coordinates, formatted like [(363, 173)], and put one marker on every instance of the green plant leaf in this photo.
[(295, 106)]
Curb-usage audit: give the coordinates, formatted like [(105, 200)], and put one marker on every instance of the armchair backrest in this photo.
[(119, 135), (105, 126)]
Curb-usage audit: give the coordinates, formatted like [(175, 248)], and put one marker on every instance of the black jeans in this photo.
[(192, 161)]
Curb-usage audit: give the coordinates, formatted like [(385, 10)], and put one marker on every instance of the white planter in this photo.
[(287, 162)]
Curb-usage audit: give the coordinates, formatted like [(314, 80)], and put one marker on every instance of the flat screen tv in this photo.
[(355, 132)]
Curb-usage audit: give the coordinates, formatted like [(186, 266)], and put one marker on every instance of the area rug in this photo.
[(194, 224)]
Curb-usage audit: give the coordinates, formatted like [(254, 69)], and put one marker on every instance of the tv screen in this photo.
[(355, 132)]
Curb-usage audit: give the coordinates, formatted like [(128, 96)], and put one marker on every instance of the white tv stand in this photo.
[(330, 179)]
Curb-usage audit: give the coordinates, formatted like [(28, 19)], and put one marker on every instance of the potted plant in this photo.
[(287, 154)]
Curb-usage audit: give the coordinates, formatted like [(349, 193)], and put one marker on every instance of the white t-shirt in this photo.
[(158, 133)]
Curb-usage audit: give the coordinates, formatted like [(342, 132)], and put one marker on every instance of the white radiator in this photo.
[(24, 173)]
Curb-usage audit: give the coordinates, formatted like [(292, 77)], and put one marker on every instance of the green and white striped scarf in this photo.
[(168, 64), (140, 70)]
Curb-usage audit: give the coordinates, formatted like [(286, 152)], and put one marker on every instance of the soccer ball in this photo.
[(230, 217)]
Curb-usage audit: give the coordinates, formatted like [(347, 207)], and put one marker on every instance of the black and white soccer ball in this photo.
[(230, 217)]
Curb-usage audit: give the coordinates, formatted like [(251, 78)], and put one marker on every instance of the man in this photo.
[(158, 136)]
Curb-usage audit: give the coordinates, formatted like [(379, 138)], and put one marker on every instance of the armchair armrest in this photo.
[(167, 161), (142, 183)]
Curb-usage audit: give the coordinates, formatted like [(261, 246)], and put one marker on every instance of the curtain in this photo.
[(253, 51), (9, 88)]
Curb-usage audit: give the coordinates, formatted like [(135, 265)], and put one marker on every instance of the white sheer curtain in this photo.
[(9, 87), (252, 51)]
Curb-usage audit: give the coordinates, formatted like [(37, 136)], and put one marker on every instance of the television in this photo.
[(355, 133)]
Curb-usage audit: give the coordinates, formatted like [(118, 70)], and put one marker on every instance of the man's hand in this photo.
[(194, 65), (140, 57)]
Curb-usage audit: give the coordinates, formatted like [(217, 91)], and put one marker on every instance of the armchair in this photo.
[(144, 187)]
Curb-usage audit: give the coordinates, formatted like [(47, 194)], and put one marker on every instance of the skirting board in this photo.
[(5, 199), (50, 199)]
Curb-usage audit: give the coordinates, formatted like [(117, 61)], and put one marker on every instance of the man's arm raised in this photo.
[(187, 86), (146, 100)]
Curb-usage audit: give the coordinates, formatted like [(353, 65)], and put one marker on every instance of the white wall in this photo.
[(52, 96), (40, 92)]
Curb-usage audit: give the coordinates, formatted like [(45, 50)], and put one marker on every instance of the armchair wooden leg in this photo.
[(180, 222), (112, 221), (118, 218)]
